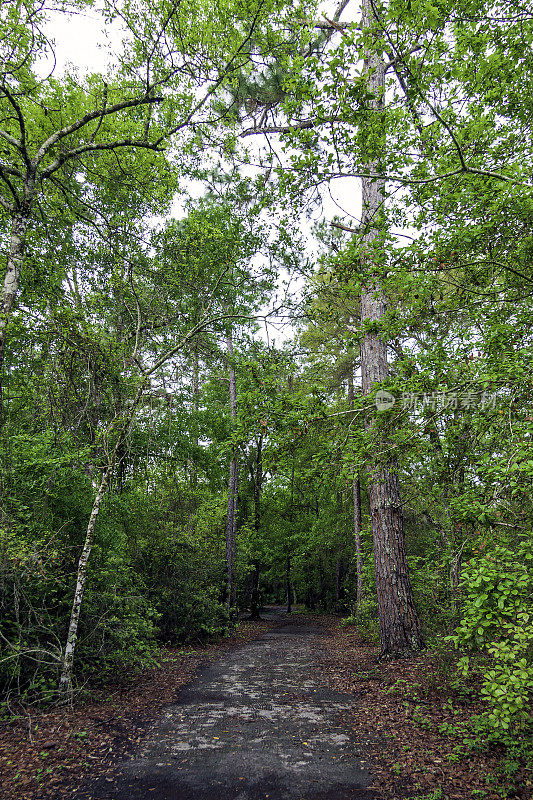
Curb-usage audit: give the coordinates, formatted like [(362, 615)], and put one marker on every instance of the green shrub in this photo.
[(497, 624), (119, 626), (365, 617)]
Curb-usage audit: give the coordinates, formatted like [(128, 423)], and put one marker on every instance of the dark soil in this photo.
[(422, 725)]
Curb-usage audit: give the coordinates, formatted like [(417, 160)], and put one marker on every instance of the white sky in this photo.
[(81, 40)]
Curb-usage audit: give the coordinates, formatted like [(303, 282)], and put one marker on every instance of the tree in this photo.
[(56, 133), (233, 485), (399, 625)]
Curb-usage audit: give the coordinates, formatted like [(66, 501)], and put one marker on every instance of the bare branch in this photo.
[(218, 82), (102, 114), (299, 126), (344, 227), (11, 171), (4, 172), (21, 146), (296, 126)]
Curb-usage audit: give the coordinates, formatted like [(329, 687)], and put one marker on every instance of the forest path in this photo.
[(258, 724)]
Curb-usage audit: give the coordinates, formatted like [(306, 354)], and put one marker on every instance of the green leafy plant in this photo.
[(497, 623)]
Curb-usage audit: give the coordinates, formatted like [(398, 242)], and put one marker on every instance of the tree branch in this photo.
[(344, 227), (7, 206), (4, 172), (80, 123), (21, 145), (11, 139), (297, 126), (94, 147), (218, 82)]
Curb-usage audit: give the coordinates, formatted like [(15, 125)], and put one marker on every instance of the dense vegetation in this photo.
[(192, 412)]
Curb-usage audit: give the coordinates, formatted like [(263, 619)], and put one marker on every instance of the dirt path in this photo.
[(256, 725)]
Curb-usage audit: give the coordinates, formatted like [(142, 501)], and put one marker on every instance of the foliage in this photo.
[(497, 620), (124, 282)]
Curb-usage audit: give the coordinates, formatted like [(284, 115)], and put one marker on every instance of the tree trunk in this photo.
[(231, 520), (455, 578), (400, 629), (357, 526), (338, 578), (65, 681), (15, 258), (289, 585), (233, 489), (255, 600), (357, 517), (195, 406)]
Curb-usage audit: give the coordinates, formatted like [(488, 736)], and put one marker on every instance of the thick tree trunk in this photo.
[(400, 629), (233, 490), (65, 681)]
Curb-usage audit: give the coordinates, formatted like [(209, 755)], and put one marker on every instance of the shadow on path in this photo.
[(256, 725)]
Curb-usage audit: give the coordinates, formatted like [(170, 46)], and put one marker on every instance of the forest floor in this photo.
[(291, 708)]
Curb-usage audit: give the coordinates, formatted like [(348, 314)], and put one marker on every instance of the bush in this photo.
[(118, 629), (365, 617), (497, 623)]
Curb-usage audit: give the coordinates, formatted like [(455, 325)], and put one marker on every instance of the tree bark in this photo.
[(233, 489), (255, 600), (65, 681), (289, 585), (195, 406), (15, 258), (400, 630), (357, 517), (231, 519)]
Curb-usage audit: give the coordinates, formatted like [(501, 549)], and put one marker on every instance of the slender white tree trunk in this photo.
[(65, 681), (15, 258)]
